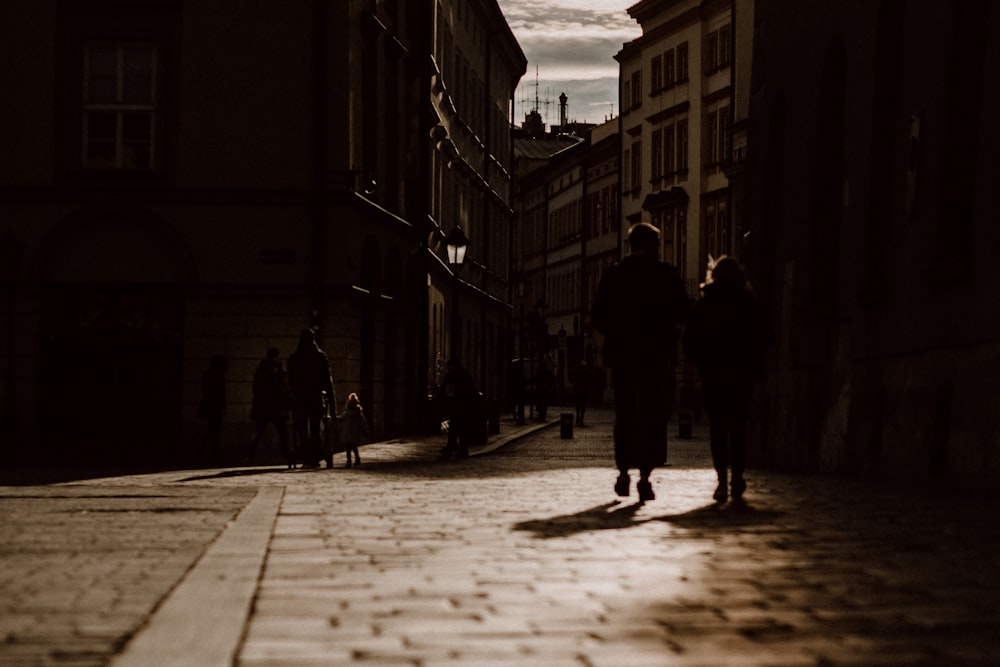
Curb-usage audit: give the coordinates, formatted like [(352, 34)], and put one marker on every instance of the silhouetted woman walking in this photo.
[(727, 336)]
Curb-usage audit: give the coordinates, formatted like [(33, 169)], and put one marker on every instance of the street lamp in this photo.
[(456, 242)]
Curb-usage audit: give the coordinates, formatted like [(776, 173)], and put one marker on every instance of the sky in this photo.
[(572, 43)]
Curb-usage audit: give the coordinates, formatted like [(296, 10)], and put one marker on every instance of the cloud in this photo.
[(572, 43), (571, 38)]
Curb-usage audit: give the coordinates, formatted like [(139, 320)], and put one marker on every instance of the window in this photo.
[(656, 161), (717, 230), (636, 89), (627, 169), (656, 73), (119, 105), (717, 139), (669, 78), (725, 46), (669, 151), (712, 138), (712, 51), (682, 62), (718, 49), (636, 183), (682, 145)]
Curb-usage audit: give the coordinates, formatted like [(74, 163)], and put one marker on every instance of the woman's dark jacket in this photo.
[(727, 336)]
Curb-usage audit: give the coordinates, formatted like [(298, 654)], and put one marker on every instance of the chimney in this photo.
[(563, 121)]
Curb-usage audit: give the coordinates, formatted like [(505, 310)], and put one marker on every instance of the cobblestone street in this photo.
[(520, 555)]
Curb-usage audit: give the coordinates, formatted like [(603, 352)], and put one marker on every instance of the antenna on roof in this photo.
[(536, 89)]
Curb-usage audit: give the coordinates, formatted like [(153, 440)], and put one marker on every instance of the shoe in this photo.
[(739, 485), (348, 464), (621, 486), (645, 489), (357, 460), (720, 494)]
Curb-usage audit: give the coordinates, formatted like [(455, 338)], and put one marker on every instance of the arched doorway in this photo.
[(112, 324)]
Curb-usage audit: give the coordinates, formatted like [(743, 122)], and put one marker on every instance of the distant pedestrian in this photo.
[(211, 408), (639, 305), (458, 398), (545, 381), (312, 395), (581, 390), (353, 428), (727, 337), (271, 402)]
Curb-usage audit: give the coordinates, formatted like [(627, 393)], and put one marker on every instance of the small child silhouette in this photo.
[(353, 429)]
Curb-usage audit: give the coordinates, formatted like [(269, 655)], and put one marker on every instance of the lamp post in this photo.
[(457, 243), (11, 252)]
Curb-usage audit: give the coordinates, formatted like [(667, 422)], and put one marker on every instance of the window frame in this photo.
[(79, 25), (120, 108), (683, 63)]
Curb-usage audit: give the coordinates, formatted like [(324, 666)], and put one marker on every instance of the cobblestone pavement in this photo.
[(518, 556)]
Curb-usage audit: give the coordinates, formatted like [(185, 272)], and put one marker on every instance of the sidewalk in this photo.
[(521, 557)]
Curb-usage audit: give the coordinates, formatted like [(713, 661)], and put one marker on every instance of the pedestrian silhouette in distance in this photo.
[(544, 384), (312, 395), (211, 408), (353, 428), (727, 337), (581, 390), (458, 395), (270, 404), (639, 305)]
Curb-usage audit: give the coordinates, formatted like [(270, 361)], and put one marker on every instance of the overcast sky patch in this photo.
[(572, 43)]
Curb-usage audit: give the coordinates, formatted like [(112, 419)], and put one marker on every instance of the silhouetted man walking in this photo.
[(312, 396), (639, 304)]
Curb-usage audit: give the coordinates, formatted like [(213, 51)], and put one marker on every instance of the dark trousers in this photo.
[(643, 401), (309, 431), (581, 408), (728, 407)]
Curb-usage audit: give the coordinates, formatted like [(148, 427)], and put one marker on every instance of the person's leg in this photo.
[(258, 433), (454, 426), (738, 441), (281, 428), (626, 415), (644, 486), (312, 453), (718, 439), (653, 399)]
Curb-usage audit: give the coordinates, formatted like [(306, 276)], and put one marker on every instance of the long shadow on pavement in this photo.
[(612, 516)]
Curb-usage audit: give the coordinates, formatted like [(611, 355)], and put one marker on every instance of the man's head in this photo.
[(644, 239)]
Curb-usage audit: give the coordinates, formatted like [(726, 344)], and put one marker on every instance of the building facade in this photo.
[(185, 180), (873, 235), (676, 110), (567, 204)]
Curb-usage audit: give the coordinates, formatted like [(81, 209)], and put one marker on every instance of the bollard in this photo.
[(566, 425)]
